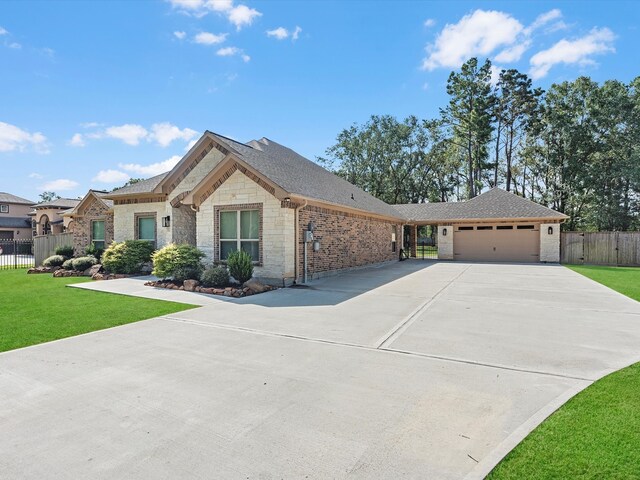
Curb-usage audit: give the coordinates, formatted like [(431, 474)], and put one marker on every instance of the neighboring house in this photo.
[(262, 197), (47, 216), (91, 221), (15, 223)]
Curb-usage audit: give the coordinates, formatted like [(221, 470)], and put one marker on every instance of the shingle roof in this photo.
[(59, 203), (297, 175), (15, 222), (493, 204), (143, 186), (10, 198)]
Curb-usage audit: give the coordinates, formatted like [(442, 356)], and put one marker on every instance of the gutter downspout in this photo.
[(295, 237)]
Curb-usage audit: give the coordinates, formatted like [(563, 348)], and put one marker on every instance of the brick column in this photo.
[(413, 236)]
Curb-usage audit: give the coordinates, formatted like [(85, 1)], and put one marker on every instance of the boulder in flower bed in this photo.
[(42, 270), (193, 286), (61, 272), (109, 276)]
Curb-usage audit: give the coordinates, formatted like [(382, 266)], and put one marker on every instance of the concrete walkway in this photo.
[(421, 370)]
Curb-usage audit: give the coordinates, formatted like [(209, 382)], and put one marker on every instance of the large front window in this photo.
[(240, 230), (146, 229), (97, 233)]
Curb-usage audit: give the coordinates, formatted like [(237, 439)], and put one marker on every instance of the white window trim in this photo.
[(4, 208), (103, 240)]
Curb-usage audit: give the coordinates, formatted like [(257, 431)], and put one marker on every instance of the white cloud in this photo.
[(232, 51), (14, 45), (425, 86), (495, 74), (190, 144), (35, 175), (60, 184), (3, 31), (130, 134), (90, 125), (77, 140), (240, 15), (13, 138), (207, 38), (573, 52), (478, 33), (280, 33), (543, 19), (429, 22), (179, 34), (165, 133), (153, 169), (513, 53), (110, 176)]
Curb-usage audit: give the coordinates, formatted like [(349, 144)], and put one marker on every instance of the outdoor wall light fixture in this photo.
[(166, 221), (287, 199), (550, 230), (444, 232), (311, 227)]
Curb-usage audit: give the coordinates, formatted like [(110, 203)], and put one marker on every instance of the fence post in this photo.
[(15, 253)]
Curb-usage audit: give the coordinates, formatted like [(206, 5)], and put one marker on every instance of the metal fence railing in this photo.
[(16, 254), (426, 250)]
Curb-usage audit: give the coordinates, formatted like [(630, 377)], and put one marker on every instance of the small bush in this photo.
[(217, 276), (187, 273), (54, 261), (68, 264), (65, 250), (127, 257), (240, 265), (94, 251), (82, 263), (177, 261)]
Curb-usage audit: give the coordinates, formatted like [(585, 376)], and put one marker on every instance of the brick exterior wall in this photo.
[(346, 240), (82, 226)]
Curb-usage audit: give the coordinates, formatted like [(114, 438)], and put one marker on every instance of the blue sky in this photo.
[(94, 92)]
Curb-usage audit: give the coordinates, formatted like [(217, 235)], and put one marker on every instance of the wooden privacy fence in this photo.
[(600, 248), (44, 245)]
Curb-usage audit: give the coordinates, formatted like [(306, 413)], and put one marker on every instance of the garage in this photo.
[(497, 243), (6, 235)]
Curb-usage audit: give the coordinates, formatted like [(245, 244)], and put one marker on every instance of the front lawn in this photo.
[(625, 280), (39, 308), (596, 434)]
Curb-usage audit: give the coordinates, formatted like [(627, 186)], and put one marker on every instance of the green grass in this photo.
[(596, 435), (39, 308), (625, 280)]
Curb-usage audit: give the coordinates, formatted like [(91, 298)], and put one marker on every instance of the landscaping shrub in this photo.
[(94, 251), (127, 257), (54, 261), (187, 273), (68, 264), (216, 276), (65, 250), (178, 261), (240, 265), (82, 263)]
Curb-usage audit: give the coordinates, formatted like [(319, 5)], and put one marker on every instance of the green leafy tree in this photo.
[(469, 117), (48, 196)]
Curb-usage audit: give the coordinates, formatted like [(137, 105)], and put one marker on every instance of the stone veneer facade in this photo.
[(96, 210), (445, 242), (347, 241), (240, 192), (550, 244)]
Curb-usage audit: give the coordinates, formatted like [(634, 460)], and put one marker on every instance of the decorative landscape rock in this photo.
[(42, 270), (190, 285), (91, 271), (255, 286), (193, 286)]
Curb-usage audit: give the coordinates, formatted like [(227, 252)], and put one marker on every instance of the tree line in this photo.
[(574, 148)]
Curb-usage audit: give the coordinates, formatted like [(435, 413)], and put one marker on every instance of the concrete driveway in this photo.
[(415, 370)]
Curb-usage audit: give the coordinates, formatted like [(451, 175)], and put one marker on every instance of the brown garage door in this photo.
[(497, 243)]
